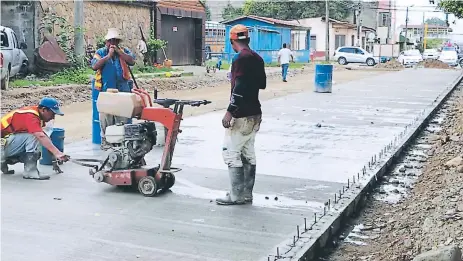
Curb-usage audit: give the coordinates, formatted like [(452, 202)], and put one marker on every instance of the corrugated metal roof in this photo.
[(268, 20)]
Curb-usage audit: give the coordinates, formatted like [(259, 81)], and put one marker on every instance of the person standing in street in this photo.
[(22, 132), (111, 64), (243, 118), (284, 56)]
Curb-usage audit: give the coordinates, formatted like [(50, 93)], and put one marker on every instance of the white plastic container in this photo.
[(121, 104)]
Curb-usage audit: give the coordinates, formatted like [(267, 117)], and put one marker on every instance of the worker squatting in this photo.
[(22, 131)]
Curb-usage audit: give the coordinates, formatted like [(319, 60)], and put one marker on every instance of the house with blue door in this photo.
[(268, 35)]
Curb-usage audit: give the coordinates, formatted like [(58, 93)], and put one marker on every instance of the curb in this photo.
[(312, 236)]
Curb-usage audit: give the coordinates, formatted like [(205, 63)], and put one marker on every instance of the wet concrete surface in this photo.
[(71, 217)]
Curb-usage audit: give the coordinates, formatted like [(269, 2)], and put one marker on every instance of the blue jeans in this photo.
[(18, 144), (284, 70)]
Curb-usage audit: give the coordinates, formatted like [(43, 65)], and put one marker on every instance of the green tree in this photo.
[(436, 21), (292, 10), (452, 6), (208, 10), (230, 12), (433, 43)]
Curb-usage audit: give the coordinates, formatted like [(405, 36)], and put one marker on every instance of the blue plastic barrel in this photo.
[(96, 129), (323, 77), (57, 138)]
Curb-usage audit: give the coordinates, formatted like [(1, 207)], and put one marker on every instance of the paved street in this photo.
[(73, 218)]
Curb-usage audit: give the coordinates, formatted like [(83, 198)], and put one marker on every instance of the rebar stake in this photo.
[(305, 224), (298, 232)]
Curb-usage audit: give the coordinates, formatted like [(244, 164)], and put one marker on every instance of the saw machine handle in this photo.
[(166, 103)]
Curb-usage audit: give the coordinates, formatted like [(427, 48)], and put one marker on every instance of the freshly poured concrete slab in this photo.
[(71, 217)]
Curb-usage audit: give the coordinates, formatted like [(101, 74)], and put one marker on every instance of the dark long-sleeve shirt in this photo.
[(247, 78)]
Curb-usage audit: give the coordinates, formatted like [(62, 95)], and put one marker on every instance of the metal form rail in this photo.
[(315, 232)]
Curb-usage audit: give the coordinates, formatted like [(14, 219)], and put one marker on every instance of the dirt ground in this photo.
[(78, 108), (432, 214)]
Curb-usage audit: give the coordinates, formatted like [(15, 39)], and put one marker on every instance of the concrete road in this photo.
[(70, 217)]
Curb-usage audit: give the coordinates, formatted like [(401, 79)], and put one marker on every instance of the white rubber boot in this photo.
[(235, 196), (30, 167), (249, 180)]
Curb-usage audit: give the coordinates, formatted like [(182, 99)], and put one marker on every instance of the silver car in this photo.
[(353, 54)]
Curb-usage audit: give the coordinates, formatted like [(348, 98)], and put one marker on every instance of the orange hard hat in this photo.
[(239, 32)]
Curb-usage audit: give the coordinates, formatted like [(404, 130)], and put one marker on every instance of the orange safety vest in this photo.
[(6, 120), (99, 76)]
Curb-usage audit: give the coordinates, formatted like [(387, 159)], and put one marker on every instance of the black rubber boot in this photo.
[(30, 167), (235, 196)]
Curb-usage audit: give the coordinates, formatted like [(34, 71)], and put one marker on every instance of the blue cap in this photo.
[(52, 104)]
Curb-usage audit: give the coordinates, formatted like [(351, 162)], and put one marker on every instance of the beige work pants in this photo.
[(239, 141)]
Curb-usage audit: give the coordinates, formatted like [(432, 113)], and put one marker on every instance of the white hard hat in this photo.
[(113, 33)]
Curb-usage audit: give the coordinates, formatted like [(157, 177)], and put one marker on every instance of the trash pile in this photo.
[(432, 63), (392, 64)]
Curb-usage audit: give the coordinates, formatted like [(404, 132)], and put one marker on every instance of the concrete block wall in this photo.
[(21, 17)]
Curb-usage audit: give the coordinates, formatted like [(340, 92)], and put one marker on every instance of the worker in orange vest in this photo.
[(21, 134)]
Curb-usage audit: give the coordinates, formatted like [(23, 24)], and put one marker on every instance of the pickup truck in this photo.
[(12, 58)]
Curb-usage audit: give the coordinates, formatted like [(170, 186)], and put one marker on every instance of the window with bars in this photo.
[(384, 19)]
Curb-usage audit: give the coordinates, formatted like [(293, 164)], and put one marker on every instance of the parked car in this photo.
[(410, 57), (430, 54), (352, 54), (12, 58), (449, 57)]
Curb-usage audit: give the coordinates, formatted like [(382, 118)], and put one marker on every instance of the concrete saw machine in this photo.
[(125, 163)]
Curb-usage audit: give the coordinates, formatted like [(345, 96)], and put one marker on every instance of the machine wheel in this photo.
[(170, 181), (147, 186), (342, 61)]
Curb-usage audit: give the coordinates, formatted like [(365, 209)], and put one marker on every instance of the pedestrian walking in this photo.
[(243, 118), (284, 57)]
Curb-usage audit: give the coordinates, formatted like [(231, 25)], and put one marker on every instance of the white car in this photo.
[(410, 57), (353, 54), (430, 54), (12, 58), (449, 57)]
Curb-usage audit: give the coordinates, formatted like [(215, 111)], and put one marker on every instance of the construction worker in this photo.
[(21, 134), (243, 118), (112, 74)]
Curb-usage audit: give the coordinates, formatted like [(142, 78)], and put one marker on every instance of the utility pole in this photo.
[(327, 41), (406, 29), (79, 48), (389, 24), (359, 23), (423, 41)]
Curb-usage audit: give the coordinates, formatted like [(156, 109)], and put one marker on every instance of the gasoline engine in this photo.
[(129, 144)]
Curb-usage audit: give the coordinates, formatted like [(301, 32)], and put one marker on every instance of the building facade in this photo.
[(181, 23), (268, 35), (341, 34)]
